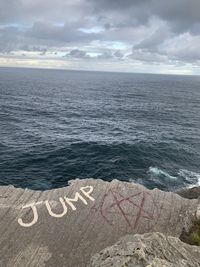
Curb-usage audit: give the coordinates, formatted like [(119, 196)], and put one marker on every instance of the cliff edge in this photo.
[(67, 226)]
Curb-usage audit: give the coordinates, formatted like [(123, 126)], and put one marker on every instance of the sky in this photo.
[(144, 36)]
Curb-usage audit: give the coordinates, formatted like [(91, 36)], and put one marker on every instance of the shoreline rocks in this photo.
[(148, 250), (190, 193), (66, 226)]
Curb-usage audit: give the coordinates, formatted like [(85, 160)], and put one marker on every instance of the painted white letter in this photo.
[(75, 199), (35, 215), (87, 193), (54, 214)]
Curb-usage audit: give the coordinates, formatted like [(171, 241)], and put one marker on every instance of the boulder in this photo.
[(148, 250), (190, 193)]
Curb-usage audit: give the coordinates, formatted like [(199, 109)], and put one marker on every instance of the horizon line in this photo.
[(101, 71)]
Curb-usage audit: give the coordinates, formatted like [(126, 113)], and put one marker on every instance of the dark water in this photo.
[(59, 125)]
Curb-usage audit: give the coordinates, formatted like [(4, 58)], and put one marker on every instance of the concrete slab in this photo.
[(65, 227)]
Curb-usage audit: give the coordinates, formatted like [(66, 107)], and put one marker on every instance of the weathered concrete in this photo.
[(65, 227), (148, 250)]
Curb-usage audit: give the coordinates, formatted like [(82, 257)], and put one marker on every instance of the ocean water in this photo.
[(58, 125)]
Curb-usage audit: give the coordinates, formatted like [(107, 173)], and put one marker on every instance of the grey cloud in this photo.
[(9, 36), (29, 48), (149, 57), (8, 9), (116, 4), (14, 11), (26, 48), (187, 51), (118, 54), (109, 54), (13, 39), (105, 55), (65, 33), (44, 51), (151, 43), (182, 15), (183, 49), (149, 26), (76, 53), (107, 26), (41, 36)]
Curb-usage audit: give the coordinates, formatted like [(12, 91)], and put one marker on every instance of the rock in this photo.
[(148, 250), (190, 193), (198, 212), (65, 227)]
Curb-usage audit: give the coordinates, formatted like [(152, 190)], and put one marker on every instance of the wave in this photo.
[(160, 173), (181, 178), (192, 177)]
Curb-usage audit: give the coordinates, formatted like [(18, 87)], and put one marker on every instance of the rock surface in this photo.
[(191, 193), (148, 250), (65, 227)]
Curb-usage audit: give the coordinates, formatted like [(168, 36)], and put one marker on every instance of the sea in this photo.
[(59, 125)]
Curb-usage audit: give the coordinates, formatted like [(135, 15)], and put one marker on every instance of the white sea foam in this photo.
[(131, 180), (158, 172), (190, 176)]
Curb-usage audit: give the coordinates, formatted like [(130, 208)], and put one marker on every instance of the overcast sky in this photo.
[(159, 36)]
